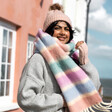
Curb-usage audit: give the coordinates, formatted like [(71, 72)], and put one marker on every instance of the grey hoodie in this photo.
[(38, 90)]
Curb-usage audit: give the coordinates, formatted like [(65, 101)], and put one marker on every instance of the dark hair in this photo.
[(50, 29)]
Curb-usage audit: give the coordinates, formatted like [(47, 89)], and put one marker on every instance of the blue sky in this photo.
[(100, 36)]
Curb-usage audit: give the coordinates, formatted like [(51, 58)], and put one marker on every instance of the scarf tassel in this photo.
[(101, 107)]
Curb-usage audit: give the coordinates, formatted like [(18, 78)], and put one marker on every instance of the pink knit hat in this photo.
[(55, 15)]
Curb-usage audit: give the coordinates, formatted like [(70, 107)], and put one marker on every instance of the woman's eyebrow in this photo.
[(58, 25), (61, 26)]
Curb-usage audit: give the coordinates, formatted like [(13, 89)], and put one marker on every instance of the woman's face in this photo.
[(61, 31)]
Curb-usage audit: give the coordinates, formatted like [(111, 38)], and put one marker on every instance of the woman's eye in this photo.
[(67, 29), (56, 28)]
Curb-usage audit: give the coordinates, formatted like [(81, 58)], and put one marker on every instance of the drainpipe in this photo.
[(87, 16)]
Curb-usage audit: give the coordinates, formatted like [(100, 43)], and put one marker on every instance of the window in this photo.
[(7, 59), (30, 46)]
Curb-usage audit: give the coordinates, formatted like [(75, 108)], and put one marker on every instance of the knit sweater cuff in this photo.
[(60, 102), (86, 66)]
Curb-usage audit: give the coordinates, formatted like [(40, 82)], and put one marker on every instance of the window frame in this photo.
[(8, 100), (30, 43)]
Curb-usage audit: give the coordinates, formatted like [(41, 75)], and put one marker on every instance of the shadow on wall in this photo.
[(41, 3)]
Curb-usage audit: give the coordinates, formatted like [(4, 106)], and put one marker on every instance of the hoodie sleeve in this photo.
[(92, 73), (31, 96)]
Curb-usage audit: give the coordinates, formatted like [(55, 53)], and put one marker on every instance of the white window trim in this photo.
[(9, 106), (6, 102), (31, 42)]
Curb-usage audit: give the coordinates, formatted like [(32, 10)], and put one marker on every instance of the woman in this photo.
[(38, 89)]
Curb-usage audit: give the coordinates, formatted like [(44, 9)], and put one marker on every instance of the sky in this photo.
[(100, 36)]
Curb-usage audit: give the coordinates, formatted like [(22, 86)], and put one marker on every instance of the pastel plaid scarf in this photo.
[(78, 90)]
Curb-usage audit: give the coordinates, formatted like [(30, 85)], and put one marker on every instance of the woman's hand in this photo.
[(83, 52), (78, 44)]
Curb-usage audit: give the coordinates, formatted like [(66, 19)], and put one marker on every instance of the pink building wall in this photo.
[(27, 16)]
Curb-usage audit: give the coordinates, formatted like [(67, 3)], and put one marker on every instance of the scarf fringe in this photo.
[(101, 107)]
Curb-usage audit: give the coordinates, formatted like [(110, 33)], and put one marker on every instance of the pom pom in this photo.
[(56, 6)]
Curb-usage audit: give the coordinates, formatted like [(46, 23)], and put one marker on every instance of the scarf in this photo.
[(78, 90)]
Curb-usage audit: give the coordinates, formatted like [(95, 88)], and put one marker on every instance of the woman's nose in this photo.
[(62, 31)]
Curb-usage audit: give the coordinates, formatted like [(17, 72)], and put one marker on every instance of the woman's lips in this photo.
[(62, 38)]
